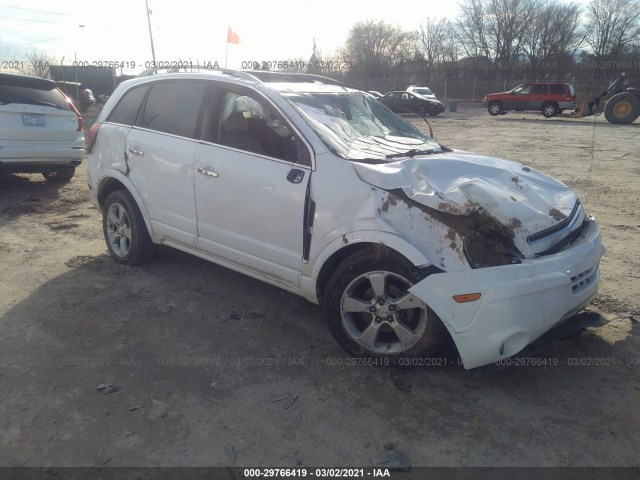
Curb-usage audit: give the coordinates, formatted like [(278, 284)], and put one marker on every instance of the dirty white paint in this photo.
[(523, 200)]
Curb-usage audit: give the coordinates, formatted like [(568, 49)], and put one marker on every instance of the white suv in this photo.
[(322, 191), (41, 131)]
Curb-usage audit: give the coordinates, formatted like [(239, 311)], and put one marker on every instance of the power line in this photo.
[(33, 10), (33, 20)]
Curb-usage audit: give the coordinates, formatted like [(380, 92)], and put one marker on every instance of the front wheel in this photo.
[(124, 230), (622, 108), (422, 110), (372, 314), (495, 108), (59, 175)]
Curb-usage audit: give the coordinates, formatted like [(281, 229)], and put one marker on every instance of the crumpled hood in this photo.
[(522, 199)]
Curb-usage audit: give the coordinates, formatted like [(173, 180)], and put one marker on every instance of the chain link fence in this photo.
[(473, 90)]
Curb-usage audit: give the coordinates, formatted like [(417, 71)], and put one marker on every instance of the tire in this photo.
[(60, 175), (367, 305), (495, 108), (549, 110), (622, 108), (422, 110), (124, 230)]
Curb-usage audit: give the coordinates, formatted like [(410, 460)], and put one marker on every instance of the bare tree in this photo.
[(494, 30), (552, 37), (611, 26), (37, 64), (507, 22), (373, 47), (432, 38), (471, 32)]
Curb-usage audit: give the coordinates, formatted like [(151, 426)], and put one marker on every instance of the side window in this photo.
[(247, 122), (557, 89), (126, 111), (522, 90), (539, 89), (173, 107)]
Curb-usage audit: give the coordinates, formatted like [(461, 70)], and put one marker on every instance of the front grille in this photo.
[(583, 280), (552, 239), (556, 228)]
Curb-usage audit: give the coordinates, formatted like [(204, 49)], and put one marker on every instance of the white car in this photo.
[(424, 91), (321, 190), (41, 131)]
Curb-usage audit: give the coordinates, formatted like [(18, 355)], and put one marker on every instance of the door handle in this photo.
[(136, 151), (208, 173)]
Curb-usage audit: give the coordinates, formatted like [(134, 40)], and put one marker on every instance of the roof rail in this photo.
[(268, 76), (265, 76), (195, 69)]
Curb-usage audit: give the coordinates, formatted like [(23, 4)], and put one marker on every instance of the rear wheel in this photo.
[(372, 314), (60, 175), (124, 230), (495, 108), (549, 110), (622, 108)]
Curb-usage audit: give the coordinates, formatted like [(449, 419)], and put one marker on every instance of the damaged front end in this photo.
[(514, 244)]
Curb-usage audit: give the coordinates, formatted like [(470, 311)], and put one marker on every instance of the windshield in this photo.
[(356, 126), (50, 97), (423, 91)]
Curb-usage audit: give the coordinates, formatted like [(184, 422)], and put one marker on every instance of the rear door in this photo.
[(539, 94), (160, 152), (252, 173)]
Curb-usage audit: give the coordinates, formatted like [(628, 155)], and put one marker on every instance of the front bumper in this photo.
[(519, 303)]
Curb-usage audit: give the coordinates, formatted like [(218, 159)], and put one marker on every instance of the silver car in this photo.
[(41, 131)]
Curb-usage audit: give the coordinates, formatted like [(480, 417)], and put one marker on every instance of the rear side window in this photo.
[(539, 89), (173, 107), (49, 96), (126, 111), (557, 88)]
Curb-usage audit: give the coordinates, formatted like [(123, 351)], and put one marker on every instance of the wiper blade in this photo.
[(370, 161), (411, 153)]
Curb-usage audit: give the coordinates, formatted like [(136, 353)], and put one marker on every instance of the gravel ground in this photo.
[(217, 369)]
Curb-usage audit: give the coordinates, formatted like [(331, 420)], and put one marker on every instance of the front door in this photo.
[(251, 177)]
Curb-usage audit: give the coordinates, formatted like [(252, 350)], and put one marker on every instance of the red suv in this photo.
[(550, 98)]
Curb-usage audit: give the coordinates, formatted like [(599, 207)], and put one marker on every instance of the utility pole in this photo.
[(153, 52)]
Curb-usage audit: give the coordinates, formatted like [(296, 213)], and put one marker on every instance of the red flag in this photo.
[(232, 37)]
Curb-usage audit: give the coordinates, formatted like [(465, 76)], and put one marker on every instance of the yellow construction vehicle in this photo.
[(619, 103)]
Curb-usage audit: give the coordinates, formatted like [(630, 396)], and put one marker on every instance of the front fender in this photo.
[(395, 242)]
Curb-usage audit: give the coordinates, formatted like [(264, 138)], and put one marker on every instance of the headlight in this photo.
[(487, 246)]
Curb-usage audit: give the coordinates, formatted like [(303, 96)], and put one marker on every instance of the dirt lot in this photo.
[(218, 369)]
